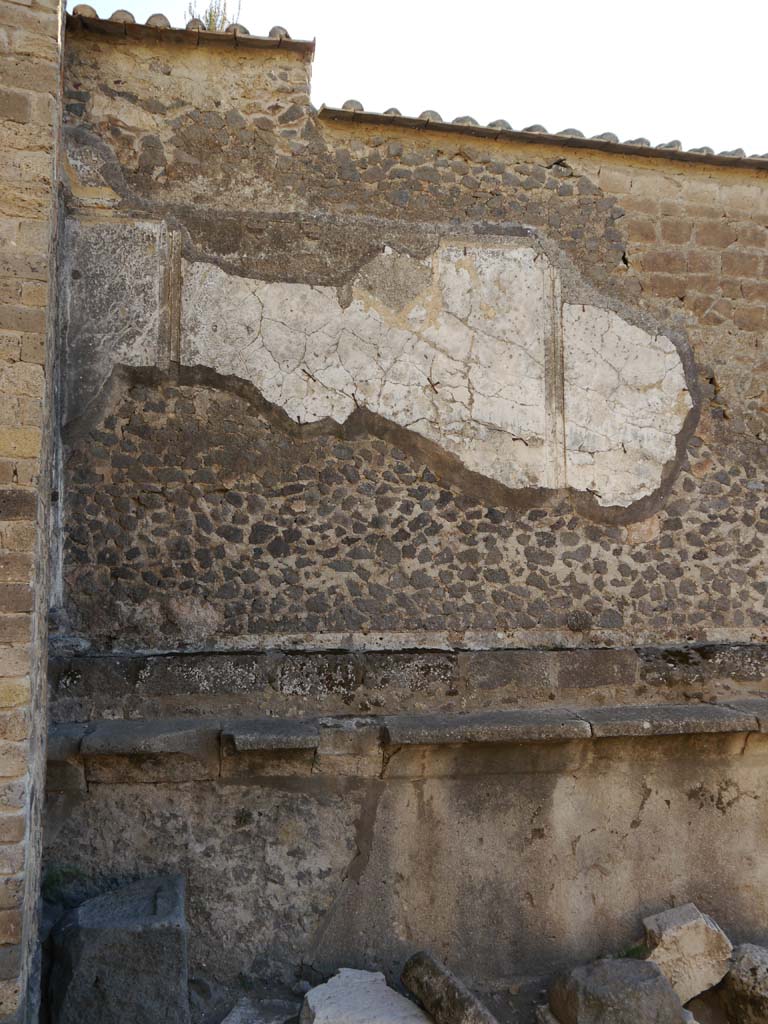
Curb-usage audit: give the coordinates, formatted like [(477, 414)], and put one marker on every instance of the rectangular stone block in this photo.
[(246, 767), (17, 503), (13, 759), (10, 926), (30, 19), (33, 348), (21, 442), (12, 828), (518, 726), (34, 293), (11, 859), (15, 597), (10, 962), (27, 42), (11, 892), (13, 692), (15, 106), (65, 778), (9, 997), (25, 201), (14, 627), (13, 795), (716, 234), (23, 74), (34, 237), (22, 318), (10, 346), (144, 768), (349, 747), (668, 720), (14, 724)]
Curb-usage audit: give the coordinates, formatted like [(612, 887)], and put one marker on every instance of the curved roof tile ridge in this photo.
[(353, 110), (123, 22)]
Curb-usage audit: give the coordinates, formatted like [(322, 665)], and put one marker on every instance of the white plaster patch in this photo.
[(457, 348), (462, 364), (359, 997), (625, 401)]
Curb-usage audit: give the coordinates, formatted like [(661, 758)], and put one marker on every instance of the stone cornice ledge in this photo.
[(242, 751), (132, 738)]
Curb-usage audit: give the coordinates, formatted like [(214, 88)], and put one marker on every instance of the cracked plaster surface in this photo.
[(625, 401), (459, 349), (470, 348)]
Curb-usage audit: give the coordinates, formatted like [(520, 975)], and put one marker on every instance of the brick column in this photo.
[(30, 88)]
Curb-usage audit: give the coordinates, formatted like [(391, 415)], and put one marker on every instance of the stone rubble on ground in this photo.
[(689, 948), (359, 997), (620, 991), (444, 996), (745, 991)]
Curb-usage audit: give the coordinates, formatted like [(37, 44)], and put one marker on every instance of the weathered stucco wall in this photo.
[(30, 114), (508, 859), (340, 385)]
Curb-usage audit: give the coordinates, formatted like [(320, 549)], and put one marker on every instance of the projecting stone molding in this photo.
[(474, 348)]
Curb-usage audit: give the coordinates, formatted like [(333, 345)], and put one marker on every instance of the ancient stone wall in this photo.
[(406, 389), (29, 129), (410, 579), (510, 844)]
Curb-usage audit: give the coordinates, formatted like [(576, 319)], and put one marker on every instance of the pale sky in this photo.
[(661, 69)]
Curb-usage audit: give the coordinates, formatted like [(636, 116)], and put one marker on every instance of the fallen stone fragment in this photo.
[(358, 997), (691, 950), (745, 991), (123, 957), (444, 996), (262, 1011), (616, 992), (708, 1008)]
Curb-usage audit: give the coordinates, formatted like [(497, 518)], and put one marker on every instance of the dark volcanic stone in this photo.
[(442, 994), (615, 992), (745, 989), (123, 957)]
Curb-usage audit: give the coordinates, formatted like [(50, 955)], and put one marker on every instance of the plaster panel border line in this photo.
[(174, 296), (169, 340), (554, 387)]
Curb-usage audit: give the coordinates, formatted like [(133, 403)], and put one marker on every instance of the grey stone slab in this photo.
[(272, 734), (667, 720), (123, 957), (162, 736), (64, 741), (615, 992), (516, 726), (753, 706)]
